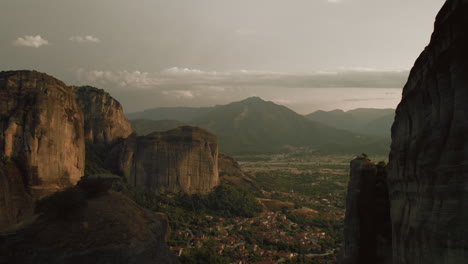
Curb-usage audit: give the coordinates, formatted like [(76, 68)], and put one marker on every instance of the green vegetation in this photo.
[(369, 121), (309, 231), (207, 254), (254, 126), (223, 201)]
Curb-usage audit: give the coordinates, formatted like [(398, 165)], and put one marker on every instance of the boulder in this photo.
[(104, 229)]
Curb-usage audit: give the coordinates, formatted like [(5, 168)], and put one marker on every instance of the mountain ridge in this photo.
[(254, 125)]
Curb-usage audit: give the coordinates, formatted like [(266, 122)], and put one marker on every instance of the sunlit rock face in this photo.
[(367, 221), (428, 170), (184, 159), (104, 117), (41, 130)]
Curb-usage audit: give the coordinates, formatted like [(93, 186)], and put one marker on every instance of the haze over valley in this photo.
[(233, 132)]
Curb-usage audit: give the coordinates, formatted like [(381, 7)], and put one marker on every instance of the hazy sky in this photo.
[(306, 54)]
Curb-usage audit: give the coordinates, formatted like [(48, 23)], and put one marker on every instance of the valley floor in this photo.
[(303, 197)]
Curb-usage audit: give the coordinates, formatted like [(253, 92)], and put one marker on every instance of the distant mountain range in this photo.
[(370, 121), (182, 114), (145, 126), (257, 126)]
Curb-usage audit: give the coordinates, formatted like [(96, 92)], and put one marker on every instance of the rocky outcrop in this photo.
[(227, 165), (41, 124), (367, 220), (41, 131), (104, 117), (76, 227), (16, 201), (428, 170), (184, 159), (230, 172)]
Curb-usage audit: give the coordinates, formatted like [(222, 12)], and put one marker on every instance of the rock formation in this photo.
[(16, 201), (230, 172), (105, 228), (367, 221), (43, 125), (41, 131), (104, 117), (428, 169), (184, 159)]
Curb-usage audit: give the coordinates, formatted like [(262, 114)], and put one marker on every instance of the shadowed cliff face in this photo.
[(184, 159), (428, 170), (74, 227), (16, 201), (104, 117), (41, 132), (367, 222)]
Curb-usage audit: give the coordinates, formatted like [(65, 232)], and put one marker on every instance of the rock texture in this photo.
[(104, 117), (16, 201), (230, 172), (184, 159), (107, 228), (367, 221), (41, 130), (428, 170)]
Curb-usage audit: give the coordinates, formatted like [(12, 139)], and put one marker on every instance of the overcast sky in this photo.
[(306, 54)]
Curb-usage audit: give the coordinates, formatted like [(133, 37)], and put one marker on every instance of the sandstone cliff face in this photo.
[(104, 117), (107, 228), (16, 201), (367, 221), (184, 159), (41, 129), (428, 170)]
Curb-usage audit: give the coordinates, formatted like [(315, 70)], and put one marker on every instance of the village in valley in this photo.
[(302, 220)]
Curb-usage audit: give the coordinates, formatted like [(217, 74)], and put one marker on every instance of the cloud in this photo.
[(132, 79), (196, 79), (31, 41), (368, 99), (304, 92), (245, 32), (187, 94), (182, 71), (85, 39)]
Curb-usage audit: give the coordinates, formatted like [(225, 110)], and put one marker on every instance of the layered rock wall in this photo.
[(184, 159), (41, 129), (16, 201), (428, 170), (104, 117)]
